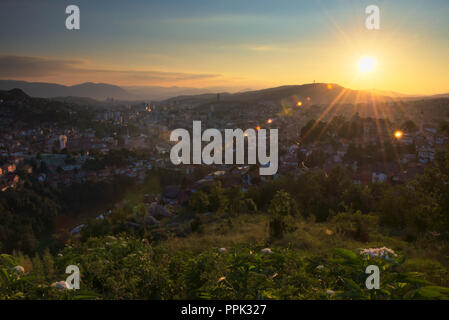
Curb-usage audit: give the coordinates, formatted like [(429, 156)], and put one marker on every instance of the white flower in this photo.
[(19, 269), (266, 250), (330, 292), (383, 252), (320, 267), (222, 250), (61, 285)]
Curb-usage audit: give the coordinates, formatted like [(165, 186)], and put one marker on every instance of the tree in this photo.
[(199, 202), (48, 263), (218, 202), (282, 208), (197, 225), (409, 126), (316, 158), (38, 267), (235, 195)]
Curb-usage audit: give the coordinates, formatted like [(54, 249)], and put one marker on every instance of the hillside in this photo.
[(316, 93), (319, 93), (13, 95), (99, 91)]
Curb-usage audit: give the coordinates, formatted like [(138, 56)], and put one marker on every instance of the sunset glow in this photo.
[(232, 47), (367, 64)]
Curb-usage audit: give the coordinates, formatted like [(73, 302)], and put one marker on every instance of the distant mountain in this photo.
[(161, 93), (315, 93), (99, 91), (393, 94), (439, 96)]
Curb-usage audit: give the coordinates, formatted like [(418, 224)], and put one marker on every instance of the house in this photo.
[(441, 139), (378, 177), (426, 154)]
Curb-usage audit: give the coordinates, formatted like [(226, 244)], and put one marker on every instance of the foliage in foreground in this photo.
[(127, 268)]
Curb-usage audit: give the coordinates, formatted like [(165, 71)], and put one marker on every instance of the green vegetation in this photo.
[(308, 235)]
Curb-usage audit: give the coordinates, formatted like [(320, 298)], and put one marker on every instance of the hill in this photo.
[(13, 95), (99, 91), (317, 93)]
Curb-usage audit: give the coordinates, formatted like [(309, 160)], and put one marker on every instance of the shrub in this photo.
[(282, 208)]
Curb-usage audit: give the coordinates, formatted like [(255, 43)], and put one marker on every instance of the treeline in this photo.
[(27, 214), (421, 205)]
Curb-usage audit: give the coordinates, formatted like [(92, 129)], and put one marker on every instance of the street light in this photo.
[(398, 134)]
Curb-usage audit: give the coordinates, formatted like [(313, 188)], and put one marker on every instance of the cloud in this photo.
[(22, 66), (14, 67)]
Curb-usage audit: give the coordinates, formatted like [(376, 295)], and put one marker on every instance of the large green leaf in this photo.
[(347, 255)]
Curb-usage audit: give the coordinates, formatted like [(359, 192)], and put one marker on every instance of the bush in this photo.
[(199, 202), (197, 225), (355, 225), (282, 208)]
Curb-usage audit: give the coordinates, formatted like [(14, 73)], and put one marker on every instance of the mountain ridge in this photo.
[(317, 93)]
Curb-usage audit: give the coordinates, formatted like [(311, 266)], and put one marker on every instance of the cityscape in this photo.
[(354, 108)]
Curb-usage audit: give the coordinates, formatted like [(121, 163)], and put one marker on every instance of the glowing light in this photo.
[(245, 134), (398, 134), (258, 128), (308, 99), (299, 103), (367, 64), (269, 120), (329, 86)]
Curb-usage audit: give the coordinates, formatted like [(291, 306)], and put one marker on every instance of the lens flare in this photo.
[(398, 134)]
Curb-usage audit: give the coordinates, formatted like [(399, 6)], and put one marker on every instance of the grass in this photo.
[(312, 239)]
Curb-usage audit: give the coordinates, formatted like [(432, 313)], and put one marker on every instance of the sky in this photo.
[(231, 44)]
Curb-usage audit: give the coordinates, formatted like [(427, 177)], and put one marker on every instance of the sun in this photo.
[(367, 64)]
